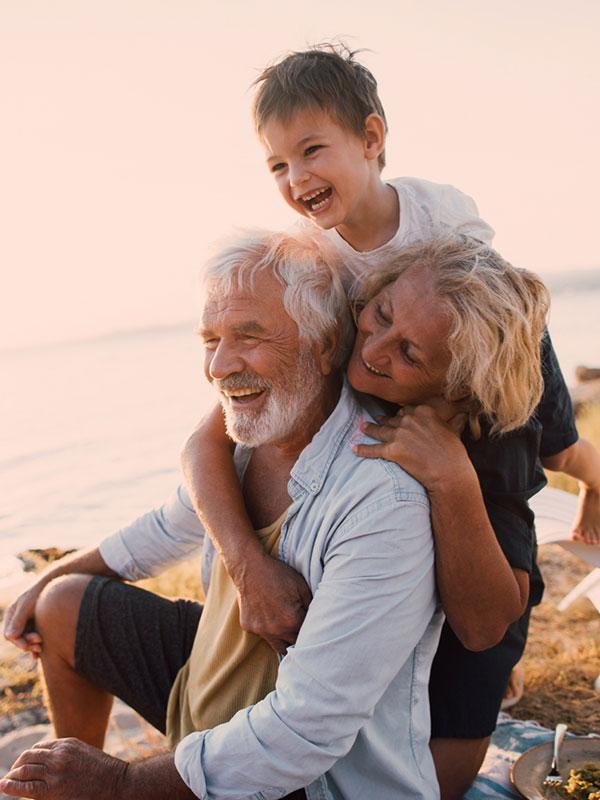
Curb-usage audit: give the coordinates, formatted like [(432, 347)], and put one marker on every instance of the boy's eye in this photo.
[(312, 149), (278, 167)]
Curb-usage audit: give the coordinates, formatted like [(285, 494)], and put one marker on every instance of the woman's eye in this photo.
[(405, 354), (381, 315), (312, 149)]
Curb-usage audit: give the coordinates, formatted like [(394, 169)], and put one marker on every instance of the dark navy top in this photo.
[(510, 472)]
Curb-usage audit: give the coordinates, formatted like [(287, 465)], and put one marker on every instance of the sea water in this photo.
[(91, 431)]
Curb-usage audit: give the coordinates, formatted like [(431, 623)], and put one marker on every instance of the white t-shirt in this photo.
[(426, 209)]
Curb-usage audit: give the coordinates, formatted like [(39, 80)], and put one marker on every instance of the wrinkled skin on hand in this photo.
[(19, 616), (64, 769), (273, 600), (68, 769)]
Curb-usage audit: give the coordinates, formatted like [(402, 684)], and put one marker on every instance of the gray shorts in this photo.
[(133, 643)]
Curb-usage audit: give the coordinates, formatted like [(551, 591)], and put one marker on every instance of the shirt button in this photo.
[(314, 486)]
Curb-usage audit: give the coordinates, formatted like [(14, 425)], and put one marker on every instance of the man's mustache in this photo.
[(242, 380)]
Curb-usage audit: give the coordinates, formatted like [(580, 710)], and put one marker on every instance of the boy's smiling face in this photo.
[(322, 169)]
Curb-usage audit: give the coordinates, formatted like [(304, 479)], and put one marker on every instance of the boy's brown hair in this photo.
[(325, 77)]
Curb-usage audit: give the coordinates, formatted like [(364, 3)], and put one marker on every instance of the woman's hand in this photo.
[(586, 527), (422, 440)]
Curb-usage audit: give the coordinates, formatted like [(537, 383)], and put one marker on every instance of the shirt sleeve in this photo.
[(451, 208), (555, 411), (373, 604), (156, 540)]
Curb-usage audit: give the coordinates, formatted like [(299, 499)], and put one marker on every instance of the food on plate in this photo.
[(584, 783)]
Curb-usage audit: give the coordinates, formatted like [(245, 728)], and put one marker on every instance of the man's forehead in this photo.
[(256, 307)]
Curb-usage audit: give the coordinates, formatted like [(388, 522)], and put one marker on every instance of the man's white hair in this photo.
[(313, 295)]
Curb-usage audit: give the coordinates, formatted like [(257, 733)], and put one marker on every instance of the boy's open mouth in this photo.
[(315, 201)]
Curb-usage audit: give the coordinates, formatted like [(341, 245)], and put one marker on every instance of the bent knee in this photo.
[(57, 608)]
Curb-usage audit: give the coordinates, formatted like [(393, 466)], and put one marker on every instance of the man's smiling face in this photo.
[(320, 167), (265, 375)]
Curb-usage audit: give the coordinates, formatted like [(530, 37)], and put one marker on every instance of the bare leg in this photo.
[(77, 707), (457, 762)]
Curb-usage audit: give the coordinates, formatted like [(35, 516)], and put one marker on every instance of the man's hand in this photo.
[(65, 769), (273, 600), (586, 527), (18, 616), (421, 442)]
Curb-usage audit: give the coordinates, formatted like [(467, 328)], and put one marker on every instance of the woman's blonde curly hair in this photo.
[(498, 315)]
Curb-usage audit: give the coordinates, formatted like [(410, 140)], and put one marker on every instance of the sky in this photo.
[(126, 144)]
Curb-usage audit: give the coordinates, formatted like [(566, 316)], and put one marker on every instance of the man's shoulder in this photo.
[(331, 465)]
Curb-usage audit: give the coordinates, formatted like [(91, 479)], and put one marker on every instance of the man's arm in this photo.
[(369, 611), (148, 546), (21, 611)]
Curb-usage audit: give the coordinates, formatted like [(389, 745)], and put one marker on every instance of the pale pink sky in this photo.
[(126, 144)]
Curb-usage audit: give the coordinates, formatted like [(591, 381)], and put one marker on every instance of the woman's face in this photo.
[(400, 353)]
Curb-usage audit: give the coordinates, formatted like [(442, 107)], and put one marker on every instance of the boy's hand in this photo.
[(422, 443), (586, 527), (19, 616), (273, 600)]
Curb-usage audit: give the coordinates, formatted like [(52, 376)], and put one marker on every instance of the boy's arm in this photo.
[(272, 597), (560, 449), (481, 592), (582, 462)]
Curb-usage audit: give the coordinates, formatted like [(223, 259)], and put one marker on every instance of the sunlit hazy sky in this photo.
[(126, 144)]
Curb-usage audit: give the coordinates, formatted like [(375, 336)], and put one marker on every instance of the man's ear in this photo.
[(374, 136), (325, 354)]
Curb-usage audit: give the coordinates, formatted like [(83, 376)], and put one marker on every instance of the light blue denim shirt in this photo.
[(349, 716)]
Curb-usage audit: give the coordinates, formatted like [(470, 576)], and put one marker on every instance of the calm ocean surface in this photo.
[(91, 430)]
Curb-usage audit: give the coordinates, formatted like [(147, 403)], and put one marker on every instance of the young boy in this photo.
[(323, 128)]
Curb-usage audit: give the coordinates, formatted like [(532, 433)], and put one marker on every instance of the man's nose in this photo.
[(224, 361)]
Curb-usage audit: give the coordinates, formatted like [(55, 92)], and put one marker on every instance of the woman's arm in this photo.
[(272, 596), (480, 592), (582, 462)]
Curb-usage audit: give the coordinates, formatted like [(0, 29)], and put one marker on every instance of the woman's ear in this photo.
[(374, 135)]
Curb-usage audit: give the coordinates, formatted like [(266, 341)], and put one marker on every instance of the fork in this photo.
[(553, 778)]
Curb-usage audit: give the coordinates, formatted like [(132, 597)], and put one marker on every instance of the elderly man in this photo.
[(349, 715)]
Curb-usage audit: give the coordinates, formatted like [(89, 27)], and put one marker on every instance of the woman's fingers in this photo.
[(371, 450)]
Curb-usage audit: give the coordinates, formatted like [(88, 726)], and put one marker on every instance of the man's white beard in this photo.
[(285, 408)]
